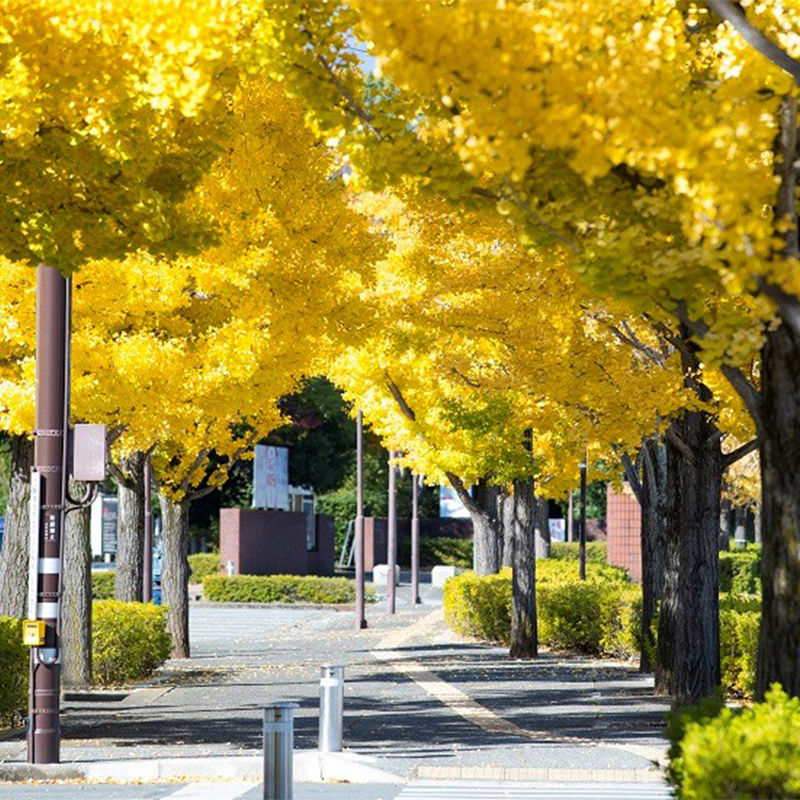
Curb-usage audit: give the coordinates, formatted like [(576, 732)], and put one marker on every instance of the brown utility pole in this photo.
[(415, 539), (49, 475), (147, 556), (360, 620), (391, 538)]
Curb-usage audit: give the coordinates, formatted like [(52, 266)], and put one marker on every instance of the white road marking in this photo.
[(212, 791)]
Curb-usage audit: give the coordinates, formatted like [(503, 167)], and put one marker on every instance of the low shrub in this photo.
[(599, 616), (740, 571), (739, 622), (747, 753), (103, 585), (435, 550), (129, 641), (596, 552), (203, 564), (14, 660), (278, 589)]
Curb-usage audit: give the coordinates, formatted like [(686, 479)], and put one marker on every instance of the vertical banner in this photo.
[(271, 477)]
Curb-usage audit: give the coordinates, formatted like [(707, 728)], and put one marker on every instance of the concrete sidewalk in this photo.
[(419, 705)]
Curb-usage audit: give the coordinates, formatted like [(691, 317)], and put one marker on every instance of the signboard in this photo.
[(558, 530), (449, 504), (108, 524), (271, 477)]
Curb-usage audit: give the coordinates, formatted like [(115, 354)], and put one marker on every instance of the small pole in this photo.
[(52, 412), (147, 560), (278, 751), (571, 518), (415, 540), (331, 708), (391, 545), (360, 620), (582, 532)]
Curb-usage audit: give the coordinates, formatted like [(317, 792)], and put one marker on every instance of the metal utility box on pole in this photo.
[(415, 539), (47, 524), (360, 620), (391, 560), (582, 533)]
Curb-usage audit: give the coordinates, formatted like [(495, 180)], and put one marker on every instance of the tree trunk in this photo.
[(14, 554), (507, 516), (653, 542), (487, 523), (175, 571), (541, 527), (130, 531), (739, 531), (690, 626), (76, 630), (779, 432), (524, 642)]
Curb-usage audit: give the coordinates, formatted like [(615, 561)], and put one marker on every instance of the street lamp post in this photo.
[(582, 544), (415, 539), (360, 620), (391, 538), (147, 560), (48, 502)]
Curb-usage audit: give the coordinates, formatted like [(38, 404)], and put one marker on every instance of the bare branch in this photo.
[(632, 340), (740, 452), (732, 12), (463, 495)]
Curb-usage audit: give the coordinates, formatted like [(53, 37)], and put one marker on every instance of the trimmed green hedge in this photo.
[(599, 616), (103, 585), (435, 550), (129, 641), (596, 552), (14, 662), (740, 571), (202, 565), (753, 752), (739, 623), (278, 589)]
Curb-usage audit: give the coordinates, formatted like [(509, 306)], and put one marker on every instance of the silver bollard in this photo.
[(278, 751), (331, 708)]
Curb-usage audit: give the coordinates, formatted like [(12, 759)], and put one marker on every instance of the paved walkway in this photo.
[(420, 705)]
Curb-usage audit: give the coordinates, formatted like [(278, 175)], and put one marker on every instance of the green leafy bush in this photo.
[(600, 615), (129, 640), (14, 661), (596, 552), (747, 753), (103, 585), (435, 550), (278, 589), (740, 571), (203, 564), (739, 622)]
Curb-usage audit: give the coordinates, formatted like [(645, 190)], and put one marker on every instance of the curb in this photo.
[(555, 775), (310, 766)]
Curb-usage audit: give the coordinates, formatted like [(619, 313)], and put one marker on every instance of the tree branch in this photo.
[(740, 452), (632, 474), (399, 399), (673, 436), (463, 495), (746, 390), (732, 12)]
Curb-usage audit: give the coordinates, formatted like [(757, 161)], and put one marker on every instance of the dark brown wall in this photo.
[(266, 542)]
